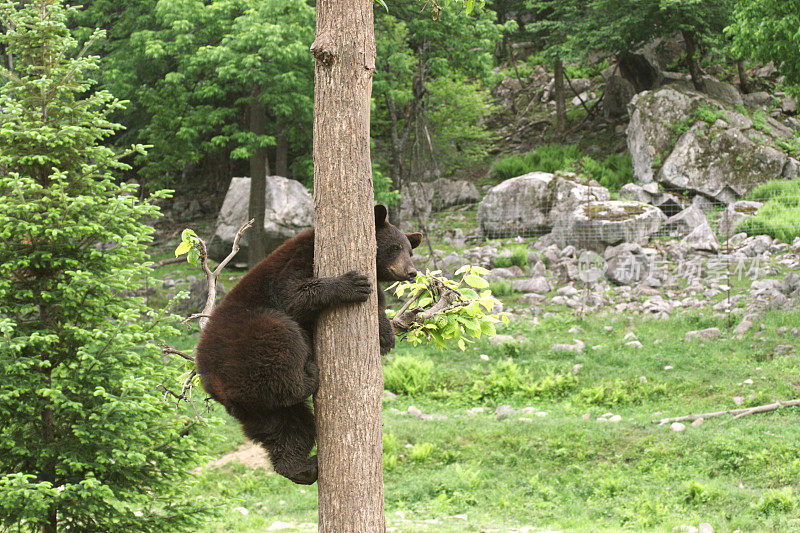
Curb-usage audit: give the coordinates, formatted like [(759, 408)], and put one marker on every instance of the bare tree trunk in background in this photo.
[(744, 83), (561, 107), (691, 61), (348, 403), (281, 152), (259, 169)]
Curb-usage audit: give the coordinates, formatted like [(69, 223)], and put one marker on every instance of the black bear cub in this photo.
[(256, 356)]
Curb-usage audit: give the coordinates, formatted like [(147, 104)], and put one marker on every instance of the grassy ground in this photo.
[(564, 471), (554, 465)]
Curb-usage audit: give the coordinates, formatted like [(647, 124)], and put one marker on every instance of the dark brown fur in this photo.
[(256, 357)]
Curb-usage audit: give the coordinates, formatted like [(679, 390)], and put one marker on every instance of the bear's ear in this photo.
[(415, 239), (380, 215)]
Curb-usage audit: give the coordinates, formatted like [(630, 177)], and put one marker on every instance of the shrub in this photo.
[(501, 287), (507, 380), (408, 375)]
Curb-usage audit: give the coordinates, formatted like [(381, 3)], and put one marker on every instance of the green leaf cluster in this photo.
[(85, 442), (468, 319)]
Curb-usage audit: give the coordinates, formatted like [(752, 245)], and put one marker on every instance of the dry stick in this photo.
[(168, 261), (738, 412)]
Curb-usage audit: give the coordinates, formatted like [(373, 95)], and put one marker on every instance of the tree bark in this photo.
[(561, 107), (691, 61), (348, 403), (281, 152), (744, 83), (259, 168)]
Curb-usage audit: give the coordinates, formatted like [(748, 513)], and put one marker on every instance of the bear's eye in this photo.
[(396, 248)]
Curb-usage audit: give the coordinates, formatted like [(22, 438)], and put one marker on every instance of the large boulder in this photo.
[(419, 198), (531, 204), (517, 206), (650, 130), (720, 162), (735, 213), (691, 142), (448, 193), (597, 225), (289, 209)]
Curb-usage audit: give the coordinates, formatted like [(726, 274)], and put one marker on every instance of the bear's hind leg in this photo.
[(288, 435)]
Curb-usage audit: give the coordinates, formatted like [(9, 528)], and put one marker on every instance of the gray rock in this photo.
[(289, 210), (636, 193), (600, 224), (790, 283), (517, 206), (721, 164), (449, 193), (724, 92), (503, 412), (626, 264), (789, 105), (416, 202), (504, 273), (735, 213), (537, 285), (686, 221), (703, 334), (757, 100), (650, 132), (702, 239)]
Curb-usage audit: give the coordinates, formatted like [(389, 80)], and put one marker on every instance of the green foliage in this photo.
[(86, 443), (189, 246), (612, 172), (776, 502), (779, 215), (408, 375), (516, 256), (501, 287), (508, 380), (766, 30), (385, 193), (468, 316), (621, 392)]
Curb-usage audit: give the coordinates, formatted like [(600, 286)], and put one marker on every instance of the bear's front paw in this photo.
[(355, 287)]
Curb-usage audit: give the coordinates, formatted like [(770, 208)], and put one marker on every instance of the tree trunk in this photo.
[(348, 403), (281, 152), (691, 61), (744, 83), (561, 107), (259, 168)]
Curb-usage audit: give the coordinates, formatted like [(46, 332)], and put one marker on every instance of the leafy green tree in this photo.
[(619, 26), (767, 30), (85, 442), (413, 51)]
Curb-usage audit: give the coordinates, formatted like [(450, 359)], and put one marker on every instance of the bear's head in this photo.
[(394, 249)]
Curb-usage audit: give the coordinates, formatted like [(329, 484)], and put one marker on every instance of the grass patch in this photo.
[(779, 215), (509, 257), (612, 172)]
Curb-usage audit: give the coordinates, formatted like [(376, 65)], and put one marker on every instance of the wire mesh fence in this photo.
[(691, 249)]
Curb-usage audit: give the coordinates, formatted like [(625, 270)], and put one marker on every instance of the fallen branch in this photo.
[(738, 412)]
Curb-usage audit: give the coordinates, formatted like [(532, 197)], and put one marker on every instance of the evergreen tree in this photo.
[(85, 442)]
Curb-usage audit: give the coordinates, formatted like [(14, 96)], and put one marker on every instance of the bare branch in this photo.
[(165, 262), (194, 317), (211, 277), (169, 350), (738, 412)]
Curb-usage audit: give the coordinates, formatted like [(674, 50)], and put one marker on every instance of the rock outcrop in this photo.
[(289, 210)]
